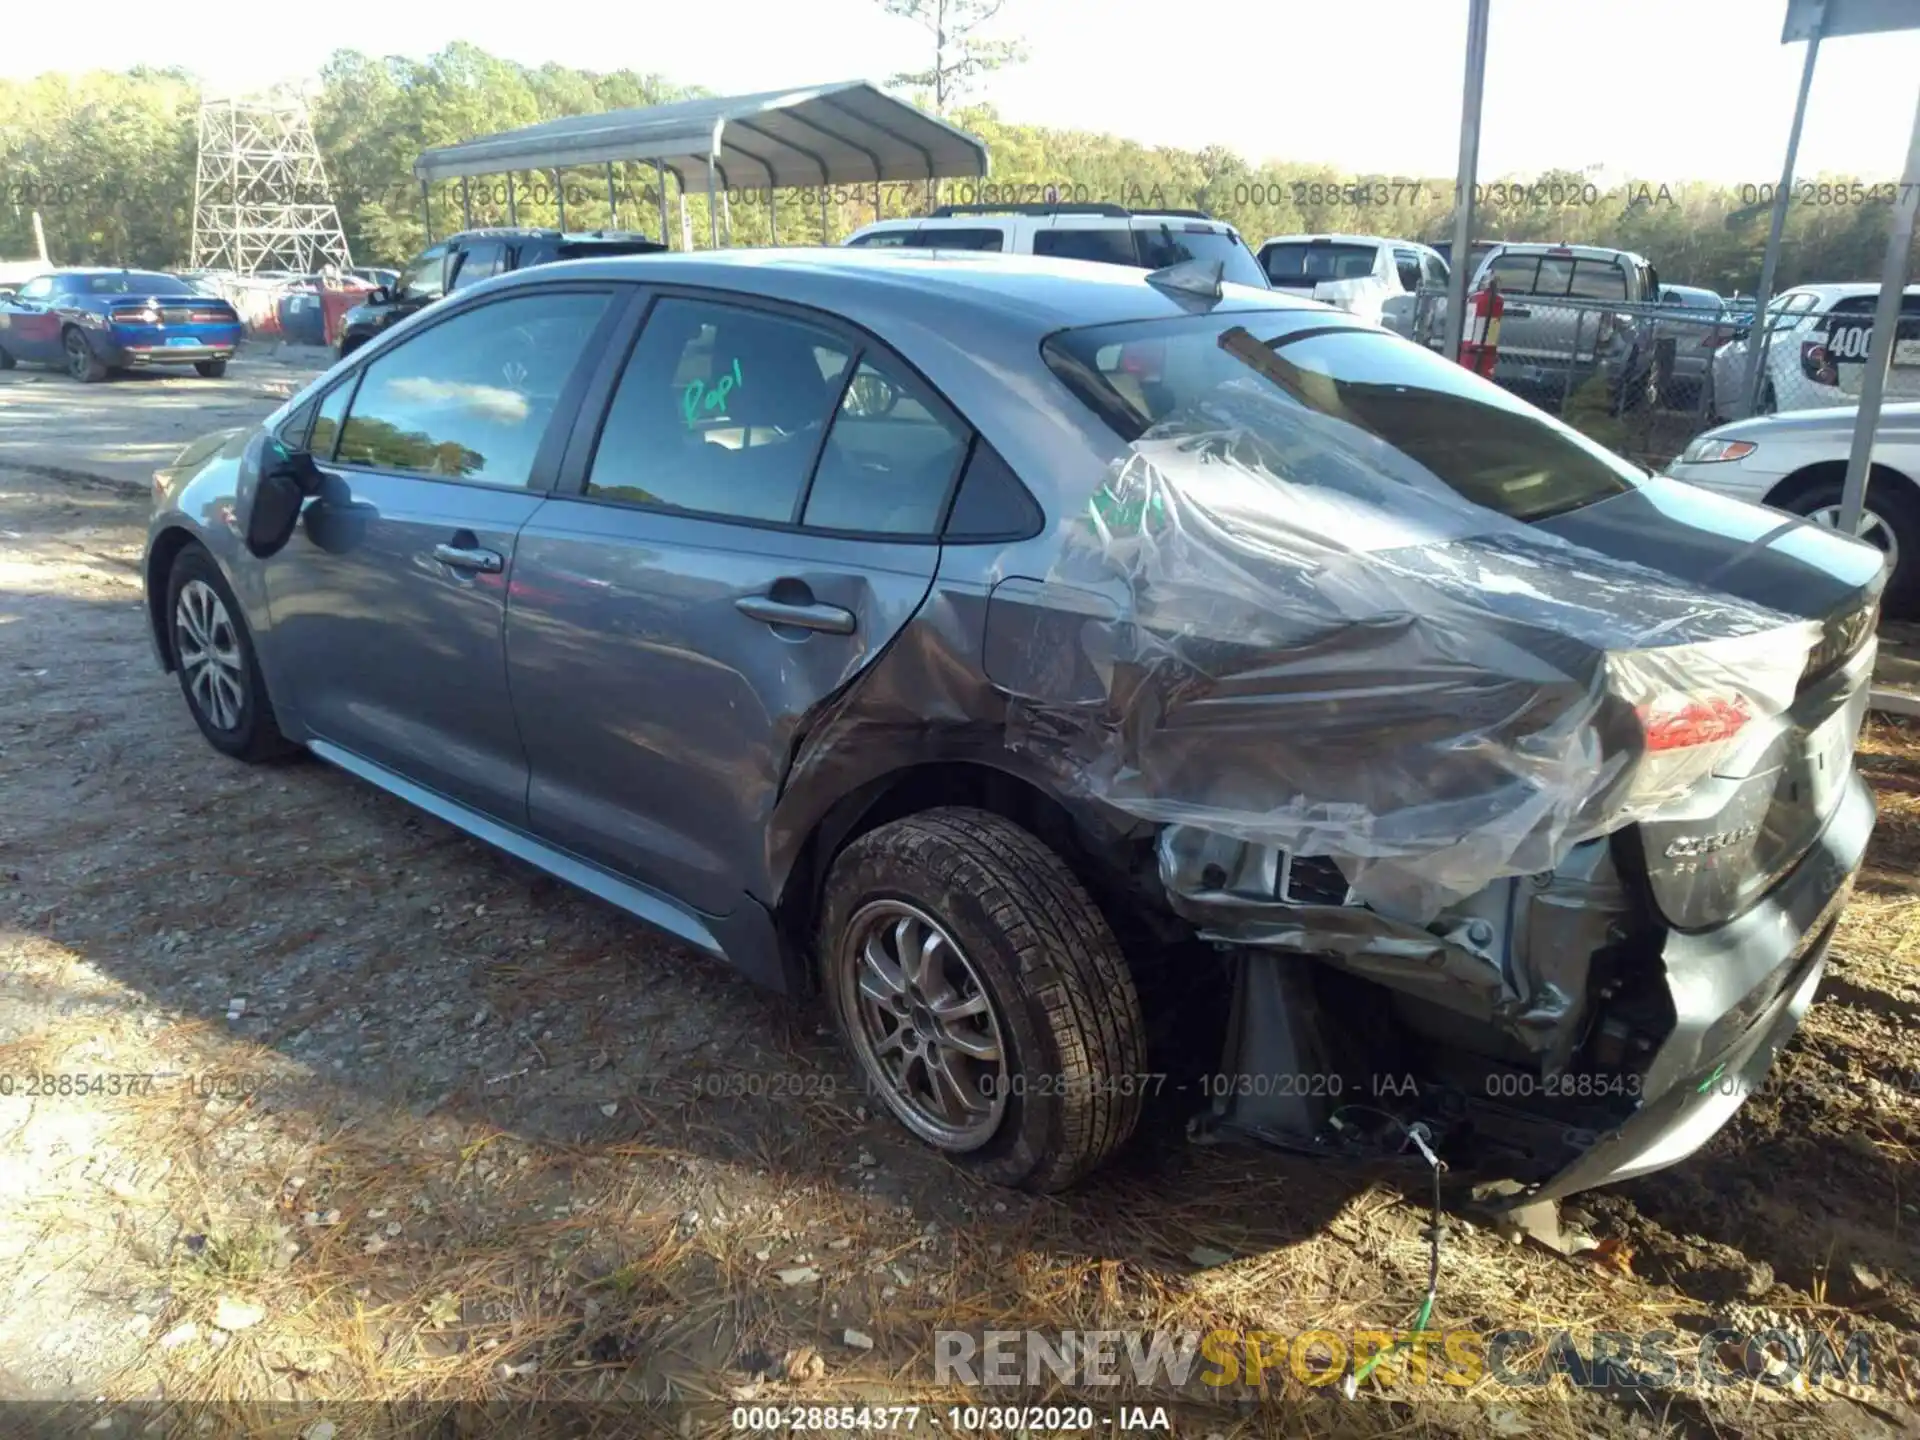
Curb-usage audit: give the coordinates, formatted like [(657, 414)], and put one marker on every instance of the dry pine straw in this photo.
[(470, 1263)]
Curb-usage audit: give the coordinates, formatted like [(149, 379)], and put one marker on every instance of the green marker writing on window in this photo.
[(697, 400)]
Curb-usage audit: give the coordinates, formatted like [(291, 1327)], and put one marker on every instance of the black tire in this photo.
[(252, 735), (350, 344), (1066, 1012), (82, 364), (210, 369), (7, 362), (1891, 499)]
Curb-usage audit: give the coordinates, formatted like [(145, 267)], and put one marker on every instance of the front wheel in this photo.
[(984, 996), (214, 658), (210, 369)]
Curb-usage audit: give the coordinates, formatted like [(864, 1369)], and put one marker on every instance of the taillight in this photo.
[(1145, 360), (1679, 722), (1817, 361)]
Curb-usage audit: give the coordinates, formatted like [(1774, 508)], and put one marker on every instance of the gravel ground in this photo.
[(361, 1110)]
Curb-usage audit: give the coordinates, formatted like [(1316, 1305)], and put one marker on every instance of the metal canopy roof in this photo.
[(843, 134)]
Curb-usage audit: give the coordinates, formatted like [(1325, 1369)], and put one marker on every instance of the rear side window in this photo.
[(481, 261), (1111, 246), (969, 239), (890, 458), (470, 399), (887, 238), (1598, 280), (719, 412)]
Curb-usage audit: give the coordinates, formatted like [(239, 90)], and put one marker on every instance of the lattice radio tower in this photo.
[(260, 198)]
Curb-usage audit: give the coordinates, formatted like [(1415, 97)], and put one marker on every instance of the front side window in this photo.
[(481, 262), (890, 457), (1340, 416), (471, 398), (426, 277), (1111, 246), (1433, 272), (38, 288), (326, 421), (1408, 264), (719, 412)]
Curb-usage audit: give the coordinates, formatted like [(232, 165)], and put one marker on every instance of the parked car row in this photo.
[(953, 636)]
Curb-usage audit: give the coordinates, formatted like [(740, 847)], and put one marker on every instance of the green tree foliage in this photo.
[(108, 161)]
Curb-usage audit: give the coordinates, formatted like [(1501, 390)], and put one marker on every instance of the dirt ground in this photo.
[(395, 1118)]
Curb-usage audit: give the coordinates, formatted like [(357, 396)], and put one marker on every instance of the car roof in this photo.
[(1843, 289), (875, 288), (1332, 238), (527, 232), (1081, 218)]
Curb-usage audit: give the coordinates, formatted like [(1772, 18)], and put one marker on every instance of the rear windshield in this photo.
[(132, 282), (1313, 402), (1168, 242), (1302, 263)]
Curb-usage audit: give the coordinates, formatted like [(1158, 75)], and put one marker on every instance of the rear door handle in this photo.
[(829, 618), (467, 557), (1518, 312)]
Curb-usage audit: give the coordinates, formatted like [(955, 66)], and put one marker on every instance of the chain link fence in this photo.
[(1644, 379)]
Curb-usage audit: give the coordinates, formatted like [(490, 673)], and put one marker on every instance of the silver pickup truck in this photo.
[(1560, 329)]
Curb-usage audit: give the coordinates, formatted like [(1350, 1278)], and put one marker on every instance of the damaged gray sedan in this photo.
[(1005, 649)]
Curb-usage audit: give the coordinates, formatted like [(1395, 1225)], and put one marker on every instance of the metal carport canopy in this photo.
[(843, 134)]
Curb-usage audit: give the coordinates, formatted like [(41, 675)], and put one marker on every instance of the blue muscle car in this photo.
[(90, 322)]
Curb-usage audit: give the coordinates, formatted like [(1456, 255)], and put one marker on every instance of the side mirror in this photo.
[(287, 479)]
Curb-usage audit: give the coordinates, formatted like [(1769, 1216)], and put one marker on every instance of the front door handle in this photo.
[(829, 618), (469, 557), (1517, 312)]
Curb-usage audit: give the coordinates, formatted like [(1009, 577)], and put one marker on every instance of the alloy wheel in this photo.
[(1873, 529), (79, 358), (923, 1025), (208, 645)]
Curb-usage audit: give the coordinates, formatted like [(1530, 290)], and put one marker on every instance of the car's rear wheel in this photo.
[(7, 362), (210, 369), (1890, 520), (214, 657), (984, 996), (82, 364)]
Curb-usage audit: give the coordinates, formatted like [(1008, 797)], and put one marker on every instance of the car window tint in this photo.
[(1408, 264), (959, 239), (719, 411), (1111, 246), (1435, 271), (887, 238), (326, 423), (482, 261), (1597, 280), (1163, 243), (470, 398), (425, 278), (1515, 273), (1556, 273), (889, 460)]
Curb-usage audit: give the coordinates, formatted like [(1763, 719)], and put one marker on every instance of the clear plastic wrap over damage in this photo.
[(1316, 644)]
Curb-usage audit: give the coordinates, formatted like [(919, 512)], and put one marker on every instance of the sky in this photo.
[(1647, 89)]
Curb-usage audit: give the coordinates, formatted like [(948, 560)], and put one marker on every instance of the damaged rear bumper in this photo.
[(1737, 993)]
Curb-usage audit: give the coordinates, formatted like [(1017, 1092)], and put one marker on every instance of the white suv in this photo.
[(1815, 357), (1148, 240)]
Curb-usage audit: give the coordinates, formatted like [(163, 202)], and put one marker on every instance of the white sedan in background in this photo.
[(1797, 461)]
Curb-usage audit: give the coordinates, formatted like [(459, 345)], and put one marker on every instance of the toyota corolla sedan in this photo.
[(985, 644), (92, 322)]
